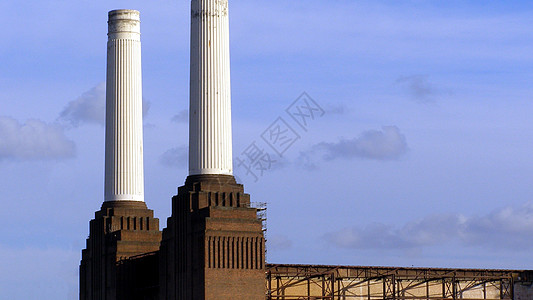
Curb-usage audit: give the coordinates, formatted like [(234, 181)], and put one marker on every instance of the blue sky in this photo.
[(422, 157)]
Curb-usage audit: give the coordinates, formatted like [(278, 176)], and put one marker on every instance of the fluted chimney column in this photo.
[(210, 148), (211, 212), (124, 132)]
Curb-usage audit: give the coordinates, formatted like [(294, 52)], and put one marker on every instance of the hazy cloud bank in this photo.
[(53, 270), (385, 144), (34, 140), (507, 228)]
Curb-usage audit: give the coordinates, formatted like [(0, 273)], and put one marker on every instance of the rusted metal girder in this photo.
[(307, 282)]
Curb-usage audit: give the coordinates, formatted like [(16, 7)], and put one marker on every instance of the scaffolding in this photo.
[(261, 213), (309, 282), (262, 216)]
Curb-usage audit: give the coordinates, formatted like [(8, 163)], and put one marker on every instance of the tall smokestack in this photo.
[(124, 227), (213, 247), (124, 132), (210, 149)]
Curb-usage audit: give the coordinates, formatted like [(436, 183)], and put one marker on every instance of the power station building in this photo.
[(213, 247)]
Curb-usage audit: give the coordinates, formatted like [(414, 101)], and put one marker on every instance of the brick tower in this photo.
[(213, 247), (124, 227)]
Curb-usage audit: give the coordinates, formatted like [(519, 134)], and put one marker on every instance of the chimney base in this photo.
[(213, 247), (119, 231)]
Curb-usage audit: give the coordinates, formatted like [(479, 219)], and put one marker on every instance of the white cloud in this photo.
[(336, 109), (90, 108), (175, 157), (278, 242), (507, 228), (510, 227), (34, 140), (181, 117), (146, 107), (386, 144), (419, 87)]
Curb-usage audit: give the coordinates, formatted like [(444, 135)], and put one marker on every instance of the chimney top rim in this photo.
[(124, 14)]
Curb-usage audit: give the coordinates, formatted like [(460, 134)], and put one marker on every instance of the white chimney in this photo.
[(210, 149), (124, 179)]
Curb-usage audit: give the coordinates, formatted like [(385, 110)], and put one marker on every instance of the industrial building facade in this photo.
[(291, 282), (138, 278)]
